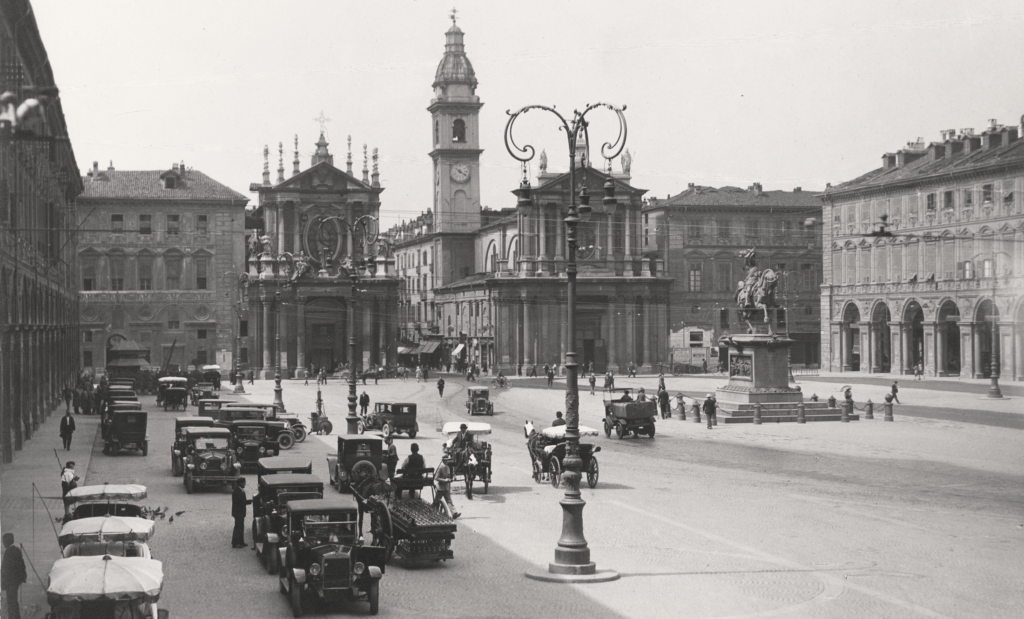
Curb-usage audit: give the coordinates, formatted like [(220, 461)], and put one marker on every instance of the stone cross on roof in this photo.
[(322, 120), (454, 12)]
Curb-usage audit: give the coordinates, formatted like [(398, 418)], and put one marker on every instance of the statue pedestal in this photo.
[(759, 374)]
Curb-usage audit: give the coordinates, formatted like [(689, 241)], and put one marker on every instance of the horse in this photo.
[(762, 297)]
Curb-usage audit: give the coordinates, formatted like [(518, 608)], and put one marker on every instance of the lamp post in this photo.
[(278, 400), (572, 556), (366, 231), (241, 283), (993, 390)]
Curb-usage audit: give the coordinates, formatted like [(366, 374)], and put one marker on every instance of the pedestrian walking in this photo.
[(705, 363), (591, 367), (251, 376), (12, 576), (661, 381), (443, 493), (918, 370), (239, 501), (364, 403), (76, 401), (710, 410), (440, 387), (306, 383), (519, 370), (419, 374), (593, 382), (68, 482), (323, 376), (68, 394), (632, 370), (663, 403), (895, 390), (551, 377), (67, 428), (391, 456)]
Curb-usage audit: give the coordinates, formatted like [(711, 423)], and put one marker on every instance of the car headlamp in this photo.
[(238, 450), (315, 569), (224, 465), (359, 568), (263, 449), (202, 466)]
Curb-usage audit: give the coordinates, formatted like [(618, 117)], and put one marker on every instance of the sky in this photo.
[(718, 93)]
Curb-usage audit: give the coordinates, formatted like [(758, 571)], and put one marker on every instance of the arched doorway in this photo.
[(325, 336), (947, 330), (913, 336), (881, 339), (986, 318), (851, 338)]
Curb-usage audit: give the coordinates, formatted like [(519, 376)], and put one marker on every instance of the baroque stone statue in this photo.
[(757, 291)]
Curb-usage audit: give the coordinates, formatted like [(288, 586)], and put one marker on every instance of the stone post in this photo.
[(888, 412), (847, 410), (696, 412), (801, 413), (757, 414), (869, 410)]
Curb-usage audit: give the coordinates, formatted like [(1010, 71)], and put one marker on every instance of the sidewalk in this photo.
[(34, 528)]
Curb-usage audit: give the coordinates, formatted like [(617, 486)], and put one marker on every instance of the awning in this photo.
[(405, 350), (428, 347), (458, 349)]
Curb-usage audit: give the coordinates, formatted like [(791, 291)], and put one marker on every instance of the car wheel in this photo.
[(593, 472), (412, 433), (374, 596), (326, 426), (300, 433), (651, 431), (281, 584), (273, 559), (360, 427), (386, 429), (176, 467), (556, 472), (285, 440), (619, 432), (189, 484), (295, 591), (607, 429), (145, 448)]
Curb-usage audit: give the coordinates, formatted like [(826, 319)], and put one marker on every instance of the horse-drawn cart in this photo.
[(411, 528)]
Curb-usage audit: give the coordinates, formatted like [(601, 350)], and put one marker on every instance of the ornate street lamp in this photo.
[(364, 231), (241, 283), (572, 556), (994, 392), (278, 400)]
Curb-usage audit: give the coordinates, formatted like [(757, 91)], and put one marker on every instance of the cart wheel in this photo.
[(176, 467), (300, 433), (386, 429), (326, 426), (189, 484), (536, 472), (360, 427), (593, 472), (295, 591), (373, 594), (412, 433), (619, 432), (487, 483), (285, 440), (556, 472), (145, 448), (490, 410), (651, 431), (381, 529)]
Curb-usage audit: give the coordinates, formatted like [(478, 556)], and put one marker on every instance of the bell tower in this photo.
[(455, 134)]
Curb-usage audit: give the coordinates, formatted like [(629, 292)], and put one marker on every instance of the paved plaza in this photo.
[(922, 517)]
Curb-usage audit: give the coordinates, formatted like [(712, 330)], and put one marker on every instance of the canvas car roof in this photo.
[(291, 479), (278, 463), (194, 421), (204, 431), (336, 503)]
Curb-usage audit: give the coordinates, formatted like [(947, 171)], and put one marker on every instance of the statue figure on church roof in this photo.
[(627, 162), (543, 161)]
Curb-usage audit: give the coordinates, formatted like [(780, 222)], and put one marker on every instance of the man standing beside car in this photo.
[(239, 501)]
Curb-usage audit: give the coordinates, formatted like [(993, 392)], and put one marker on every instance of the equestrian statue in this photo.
[(756, 292)]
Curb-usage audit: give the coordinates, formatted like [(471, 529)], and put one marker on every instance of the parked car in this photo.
[(274, 465), (178, 448), (323, 554), (127, 431), (278, 431), (252, 440), (298, 428), (106, 500), (208, 405), (121, 536), (391, 418), (358, 458), (167, 382), (273, 493), (211, 457)]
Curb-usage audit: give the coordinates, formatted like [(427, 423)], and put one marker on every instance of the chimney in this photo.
[(992, 123), (992, 138), (95, 168), (888, 161), (690, 186), (181, 168), (797, 189), (756, 188), (110, 168), (174, 167), (936, 151)]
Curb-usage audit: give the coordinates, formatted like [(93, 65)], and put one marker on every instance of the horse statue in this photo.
[(756, 292)]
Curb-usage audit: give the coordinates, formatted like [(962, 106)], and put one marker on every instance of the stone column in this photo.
[(630, 340), (978, 334), (542, 242), (627, 267), (609, 248), (560, 242), (528, 357), (546, 340), (966, 349), (267, 372), (281, 211), (648, 358), (941, 348), (875, 338), (865, 348), (613, 327), (1018, 352), (907, 333), (847, 350), (365, 348), (300, 337), (896, 349)]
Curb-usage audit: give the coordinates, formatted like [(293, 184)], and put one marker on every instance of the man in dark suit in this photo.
[(710, 410), (67, 428), (239, 501), (13, 576)]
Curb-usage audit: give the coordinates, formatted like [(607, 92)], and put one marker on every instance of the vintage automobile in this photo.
[(472, 465), (547, 452), (127, 430), (211, 374), (390, 418), (106, 500), (201, 391), (123, 382), (124, 406), (178, 448), (627, 416), (284, 464), (478, 401), (252, 440), (167, 382), (120, 536), (211, 457), (323, 553), (105, 586), (278, 431), (273, 414), (121, 395), (207, 406), (358, 458), (175, 398), (274, 492)]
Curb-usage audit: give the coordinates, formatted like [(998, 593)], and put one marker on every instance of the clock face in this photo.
[(460, 172)]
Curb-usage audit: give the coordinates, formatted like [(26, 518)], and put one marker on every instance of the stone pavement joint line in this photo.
[(834, 585)]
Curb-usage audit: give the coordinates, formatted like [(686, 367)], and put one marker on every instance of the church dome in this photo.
[(455, 67)]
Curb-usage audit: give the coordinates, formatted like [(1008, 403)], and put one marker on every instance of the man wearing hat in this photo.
[(68, 482), (709, 410)]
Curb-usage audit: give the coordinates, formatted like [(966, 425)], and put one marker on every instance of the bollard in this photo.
[(801, 413), (680, 407), (869, 410), (888, 411), (831, 401), (696, 412), (847, 409), (757, 414)]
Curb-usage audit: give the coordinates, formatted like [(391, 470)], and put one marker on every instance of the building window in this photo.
[(169, 182), (172, 264), (202, 224), (968, 197), (696, 229), (723, 272), (243, 328), (967, 269), (808, 276), (89, 274), (173, 325), (1008, 194), (173, 225), (459, 130), (930, 202), (87, 337), (87, 358), (145, 272), (243, 355), (696, 339), (201, 267), (947, 200), (437, 132), (116, 272), (723, 318), (145, 224), (987, 268), (695, 271), (201, 357), (986, 194), (780, 317), (117, 223), (201, 334)]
